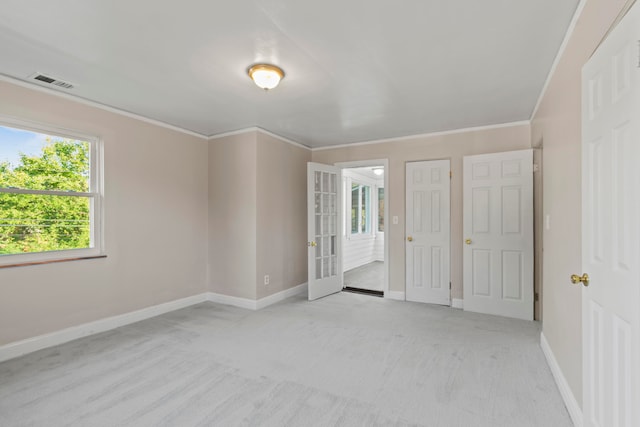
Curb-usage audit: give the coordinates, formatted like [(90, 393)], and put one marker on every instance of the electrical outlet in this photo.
[(266, 279)]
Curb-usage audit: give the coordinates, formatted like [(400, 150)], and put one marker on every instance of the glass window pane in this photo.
[(355, 194), (334, 264), (318, 268), (325, 267), (325, 182), (40, 223), (326, 246), (318, 225), (381, 209), (318, 203), (317, 183), (332, 203), (325, 225), (36, 161), (325, 203), (365, 213), (334, 188), (318, 247)]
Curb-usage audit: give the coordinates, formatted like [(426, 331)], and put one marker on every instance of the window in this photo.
[(381, 210), (49, 195), (360, 208)]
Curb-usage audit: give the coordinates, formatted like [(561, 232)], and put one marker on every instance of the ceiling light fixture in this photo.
[(378, 171), (265, 76)]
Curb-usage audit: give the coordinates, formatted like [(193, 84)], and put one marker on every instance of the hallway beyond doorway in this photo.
[(369, 276)]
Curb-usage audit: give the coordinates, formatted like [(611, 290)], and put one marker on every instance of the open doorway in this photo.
[(364, 227)]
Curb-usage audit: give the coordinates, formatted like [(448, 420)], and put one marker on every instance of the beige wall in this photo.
[(282, 215), (556, 126), (232, 215), (257, 215), (449, 146), (155, 217)]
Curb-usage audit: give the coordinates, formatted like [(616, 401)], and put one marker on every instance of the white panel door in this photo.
[(498, 234), (610, 229), (428, 232), (323, 229)]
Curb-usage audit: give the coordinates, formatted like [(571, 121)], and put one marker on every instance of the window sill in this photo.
[(50, 261)]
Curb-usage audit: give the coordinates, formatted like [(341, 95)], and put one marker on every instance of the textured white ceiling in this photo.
[(357, 70)]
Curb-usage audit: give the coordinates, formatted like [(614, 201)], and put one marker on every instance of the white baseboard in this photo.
[(251, 304), (29, 345), (395, 295), (282, 295), (457, 303), (567, 395)]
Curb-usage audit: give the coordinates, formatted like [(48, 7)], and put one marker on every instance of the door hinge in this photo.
[(450, 174), (449, 285), (536, 296)]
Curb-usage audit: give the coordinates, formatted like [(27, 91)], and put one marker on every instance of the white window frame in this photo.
[(95, 196)]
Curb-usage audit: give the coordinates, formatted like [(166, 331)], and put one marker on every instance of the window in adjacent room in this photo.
[(50, 199), (360, 208), (381, 210)]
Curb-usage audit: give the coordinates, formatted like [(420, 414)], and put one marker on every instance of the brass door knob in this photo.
[(468, 241), (312, 244), (410, 239), (584, 279)]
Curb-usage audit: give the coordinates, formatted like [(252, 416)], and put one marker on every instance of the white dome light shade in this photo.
[(378, 171), (265, 76)]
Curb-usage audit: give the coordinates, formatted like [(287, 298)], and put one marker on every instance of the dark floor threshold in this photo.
[(363, 291)]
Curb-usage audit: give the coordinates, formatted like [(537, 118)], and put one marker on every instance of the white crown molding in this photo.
[(425, 135), (98, 105), (556, 61), (258, 130), (283, 139), (575, 412), (233, 132)]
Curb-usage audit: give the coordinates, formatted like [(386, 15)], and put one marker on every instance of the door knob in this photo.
[(410, 239), (468, 241), (312, 244), (584, 279)]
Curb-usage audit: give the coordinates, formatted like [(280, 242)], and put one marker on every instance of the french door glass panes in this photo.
[(326, 231)]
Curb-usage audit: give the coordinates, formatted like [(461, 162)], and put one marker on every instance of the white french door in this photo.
[(323, 230), (428, 232), (498, 234), (611, 229)]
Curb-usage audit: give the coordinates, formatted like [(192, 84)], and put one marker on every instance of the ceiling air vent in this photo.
[(51, 80)]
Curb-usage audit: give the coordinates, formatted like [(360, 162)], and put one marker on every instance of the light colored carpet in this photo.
[(369, 276), (344, 360)]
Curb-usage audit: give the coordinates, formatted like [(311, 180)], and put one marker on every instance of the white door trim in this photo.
[(387, 222)]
